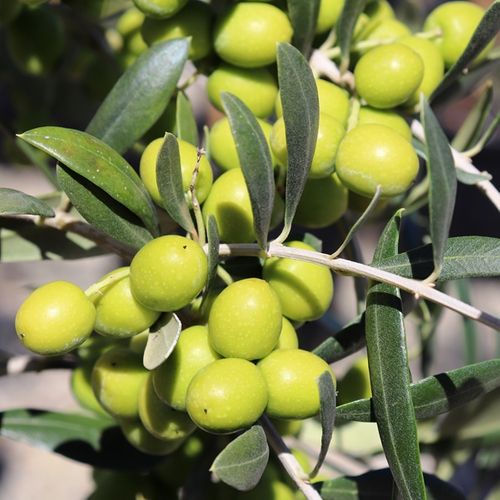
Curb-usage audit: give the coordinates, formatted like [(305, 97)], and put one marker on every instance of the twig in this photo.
[(464, 163), (288, 461), (322, 65)]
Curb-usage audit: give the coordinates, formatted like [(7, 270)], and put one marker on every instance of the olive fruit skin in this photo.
[(117, 378), (305, 290), (129, 22), (248, 33), (81, 387), (119, 314), (227, 395), (292, 380), (288, 336), (457, 22), (245, 320), (160, 8), (161, 420), (188, 156), (55, 318), (374, 154), (194, 21), (323, 202), (139, 437), (388, 75), (222, 146), (168, 273), (328, 15), (385, 117), (256, 87), (192, 353), (355, 384), (330, 133), (386, 29)]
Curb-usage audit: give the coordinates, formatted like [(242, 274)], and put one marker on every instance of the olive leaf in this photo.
[(162, 339), (14, 202), (304, 16), (213, 249), (185, 122)]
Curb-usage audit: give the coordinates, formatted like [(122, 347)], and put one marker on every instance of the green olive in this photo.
[(288, 336), (328, 15), (160, 8), (247, 34), (287, 427), (227, 395), (55, 318), (188, 156), (372, 155), (245, 320), (355, 384), (292, 380), (139, 437), (129, 22), (388, 75), (305, 290), (256, 87), (191, 354), (168, 273), (117, 378), (385, 117), (386, 29), (81, 387), (379, 10)]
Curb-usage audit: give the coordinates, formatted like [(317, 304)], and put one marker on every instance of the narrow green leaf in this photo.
[(473, 124), (101, 210), (98, 163), (14, 202), (390, 375), (443, 184), (437, 394), (299, 97), (185, 122), (304, 17), (485, 137), (345, 28), (243, 461), (379, 485), (328, 403), (141, 95), (314, 241), (169, 180), (470, 331), (213, 249), (255, 160), (470, 178), (464, 257), (162, 339), (485, 32)]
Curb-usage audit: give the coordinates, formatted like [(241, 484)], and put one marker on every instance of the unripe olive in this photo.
[(292, 380), (271, 488), (328, 15), (168, 273), (323, 202), (372, 155), (192, 353), (385, 117), (161, 420), (358, 204), (93, 347), (81, 387), (379, 10), (222, 146), (288, 336), (138, 342), (55, 318), (256, 87), (287, 427), (195, 21), (129, 22), (245, 320), (119, 314), (188, 157), (305, 290), (388, 75), (457, 22), (160, 8), (248, 33), (227, 395), (330, 134), (139, 437), (386, 29), (229, 203), (135, 44), (117, 378), (333, 101), (356, 382)]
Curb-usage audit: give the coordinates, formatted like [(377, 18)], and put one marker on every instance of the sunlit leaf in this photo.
[(185, 122), (162, 339), (14, 202)]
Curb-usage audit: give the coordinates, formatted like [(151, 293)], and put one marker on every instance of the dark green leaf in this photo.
[(470, 331), (243, 461), (38, 159), (100, 164), (169, 180), (255, 161), (437, 394), (14, 202), (345, 28), (443, 183), (299, 97), (101, 210), (485, 32), (390, 375), (141, 95), (379, 485), (162, 339), (464, 257), (185, 122), (304, 16), (213, 249), (471, 178), (328, 403)]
